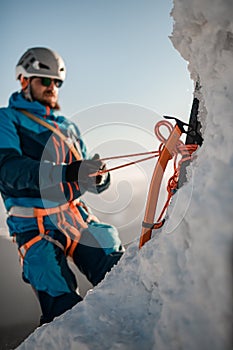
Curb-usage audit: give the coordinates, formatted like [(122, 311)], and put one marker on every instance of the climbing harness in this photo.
[(64, 213)]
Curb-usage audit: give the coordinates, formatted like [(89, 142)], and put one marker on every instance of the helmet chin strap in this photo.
[(26, 88), (28, 94)]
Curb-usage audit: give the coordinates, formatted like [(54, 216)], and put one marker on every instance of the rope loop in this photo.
[(158, 133)]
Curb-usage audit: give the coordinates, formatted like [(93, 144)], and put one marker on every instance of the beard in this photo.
[(47, 101), (48, 98)]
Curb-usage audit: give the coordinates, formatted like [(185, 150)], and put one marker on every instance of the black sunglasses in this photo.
[(46, 81)]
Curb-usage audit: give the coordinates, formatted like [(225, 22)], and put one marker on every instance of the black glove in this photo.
[(80, 170), (102, 167)]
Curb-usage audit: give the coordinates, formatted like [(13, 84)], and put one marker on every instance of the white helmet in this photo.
[(41, 62)]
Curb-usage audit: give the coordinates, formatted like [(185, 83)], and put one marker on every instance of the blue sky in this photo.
[(115, 51)]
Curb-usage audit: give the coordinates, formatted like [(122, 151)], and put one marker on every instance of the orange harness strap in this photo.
[(72, 234), (24, 248)]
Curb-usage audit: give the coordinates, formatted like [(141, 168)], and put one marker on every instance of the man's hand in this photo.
[(80, 171), (102, 166)]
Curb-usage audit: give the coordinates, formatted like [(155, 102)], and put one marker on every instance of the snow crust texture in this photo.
[(176, 292)]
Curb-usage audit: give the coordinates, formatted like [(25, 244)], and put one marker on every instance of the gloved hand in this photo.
[(80, 170), (99, 178)]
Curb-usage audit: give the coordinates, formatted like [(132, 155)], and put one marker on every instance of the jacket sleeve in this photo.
[(22, 176), (18, 173)]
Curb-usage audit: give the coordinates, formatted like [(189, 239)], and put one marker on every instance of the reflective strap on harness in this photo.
[(38, 213), (26, 212)]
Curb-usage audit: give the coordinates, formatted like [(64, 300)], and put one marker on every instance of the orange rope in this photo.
[(184, 150), (186, 153), (157, 153), (129, 155), (101, 172)]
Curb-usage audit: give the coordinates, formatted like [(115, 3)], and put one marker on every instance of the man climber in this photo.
[(44, 170)]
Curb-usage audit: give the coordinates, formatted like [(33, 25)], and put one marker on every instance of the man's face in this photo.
[(47, 95)]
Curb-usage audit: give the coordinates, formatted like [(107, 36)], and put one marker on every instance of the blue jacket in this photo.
[(33, 160)]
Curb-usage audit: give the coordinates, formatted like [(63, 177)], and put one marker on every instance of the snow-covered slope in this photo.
[(176, 292)]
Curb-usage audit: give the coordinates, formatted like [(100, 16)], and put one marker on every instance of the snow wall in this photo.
[(176, 293)]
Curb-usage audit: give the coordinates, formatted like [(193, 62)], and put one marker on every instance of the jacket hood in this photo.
[(18, 101)]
